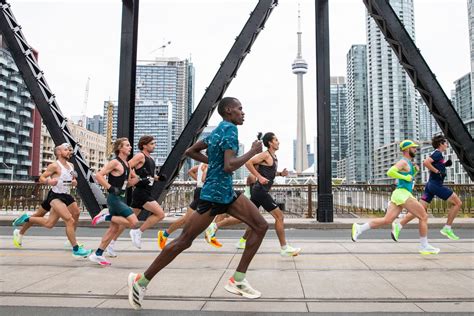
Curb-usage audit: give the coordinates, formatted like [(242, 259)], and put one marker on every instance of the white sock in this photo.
[(284, 247), (424, 241), (20, 237), (400, 225), (364, 227), (112, 242), (448, 227)]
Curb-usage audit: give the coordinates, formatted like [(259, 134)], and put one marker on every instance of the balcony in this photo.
[(3, 95), (15, 99), (3, 83), (9, 150), (14, 120), (25, 94), (21, 173), (16, 79), (29, 105), (9, 129), (28, 124), (25, 113), (2, 105), (12, 161), (24, 133), (13, 140), (26, 163), (27, 143), (11, 108), (23, 153), (3, 60), (11, 87), (4, 73), (2, 116)]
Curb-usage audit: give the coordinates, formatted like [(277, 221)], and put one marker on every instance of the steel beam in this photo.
[(325, 197), (424, 80), (213, 94), (46, 103)]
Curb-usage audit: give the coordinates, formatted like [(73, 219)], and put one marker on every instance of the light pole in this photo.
[(12, 168)]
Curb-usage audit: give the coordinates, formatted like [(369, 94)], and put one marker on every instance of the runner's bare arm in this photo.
[(194, 152), (232, 163), (108, 168)]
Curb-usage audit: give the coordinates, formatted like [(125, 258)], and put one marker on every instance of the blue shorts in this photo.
[(434, 189)]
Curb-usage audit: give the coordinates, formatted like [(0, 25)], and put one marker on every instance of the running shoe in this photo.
[(110, 250), (448, 233), (210, 232), (290, 251), (395, 231), (68, 246), (99, 218), (17, 239), (162, 239), (215, 243), (136, 293), (20, 220), (99, 259), (355, 232), (136, 236), (242, 288), (429, 250), (240, 244), (81, 252)]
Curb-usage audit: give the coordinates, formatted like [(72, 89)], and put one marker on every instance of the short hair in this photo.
[(224, 103), (118, 144), (63, 145), (267, 138), (437, 140), (145, 140)]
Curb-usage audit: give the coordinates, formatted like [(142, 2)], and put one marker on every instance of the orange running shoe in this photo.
[(215, 243), (161, 239)]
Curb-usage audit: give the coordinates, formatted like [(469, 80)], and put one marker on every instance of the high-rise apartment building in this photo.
[(357, 116), (462, 101), (16, 123), (392, 106), (339, 139)]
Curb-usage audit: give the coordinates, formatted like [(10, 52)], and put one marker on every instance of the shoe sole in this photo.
[(292, 254), (446, 235), (393, 237), (233, 290), (131, 276), (425, 253), (83, 256), (102, 263), (352, 233)]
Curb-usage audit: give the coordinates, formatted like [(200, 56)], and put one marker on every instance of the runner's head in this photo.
[(408, 147), (439, 142), (63, 151), (271, 141), (231, 110), (122, 146), (147, 143)]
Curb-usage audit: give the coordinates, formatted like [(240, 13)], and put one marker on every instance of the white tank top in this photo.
[(64, 180), (200, 183)]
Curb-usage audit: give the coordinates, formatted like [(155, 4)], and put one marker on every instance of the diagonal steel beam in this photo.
[(213, 94), (424, 80), (46, 103)]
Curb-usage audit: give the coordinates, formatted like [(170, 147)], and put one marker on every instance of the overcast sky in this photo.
[(81, 39)]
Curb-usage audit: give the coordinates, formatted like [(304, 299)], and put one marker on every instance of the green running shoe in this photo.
[(448, 233), (395, 231), (20, 220)]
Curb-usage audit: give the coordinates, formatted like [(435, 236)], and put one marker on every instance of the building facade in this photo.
[(392, 107), (339, 136), (357, 116), (16, 120), (462, 101)]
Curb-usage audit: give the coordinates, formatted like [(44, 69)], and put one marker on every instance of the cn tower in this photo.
[(300, 67)]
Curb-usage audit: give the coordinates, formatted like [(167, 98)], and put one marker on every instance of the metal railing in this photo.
[(294, 200)]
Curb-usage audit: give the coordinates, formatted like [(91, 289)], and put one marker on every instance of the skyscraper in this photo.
[(427, 123), (16, 123), (462, 101), (163, 105), (357, 122), (339, 140), (300, 67), (392, 107), (95, 124)]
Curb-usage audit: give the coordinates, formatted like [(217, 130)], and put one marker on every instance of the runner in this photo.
[(61, 176), (217, 196), (118, 213), (404, 171), (434, 187)]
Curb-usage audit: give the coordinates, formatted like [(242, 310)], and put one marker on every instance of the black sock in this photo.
[(75, 248), (99, 252)]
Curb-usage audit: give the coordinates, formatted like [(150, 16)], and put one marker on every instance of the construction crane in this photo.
[(110, 122), (82, 122), (162, 47)]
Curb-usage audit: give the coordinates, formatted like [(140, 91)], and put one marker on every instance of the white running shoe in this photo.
[(110, 250), (136, 293), (429, 250), (356, 231), (241, 244), (136, 236), (242, 288), (17, 238), (99, 218), (290, 251), (99, 259), (210, 232)]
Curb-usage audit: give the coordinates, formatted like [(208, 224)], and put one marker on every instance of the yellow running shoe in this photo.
[(17, 239), (215, 243), (161, 239)]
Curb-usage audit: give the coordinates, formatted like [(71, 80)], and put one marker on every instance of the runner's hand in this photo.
[(284, 173), (262, 180), (257, 147), (52, 182)]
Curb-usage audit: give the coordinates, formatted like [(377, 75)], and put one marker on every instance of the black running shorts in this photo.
[(204, 206), (262, 198), (140, 197)]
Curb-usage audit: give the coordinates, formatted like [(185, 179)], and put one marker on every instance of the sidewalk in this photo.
[(290, 223), (329, 276)]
